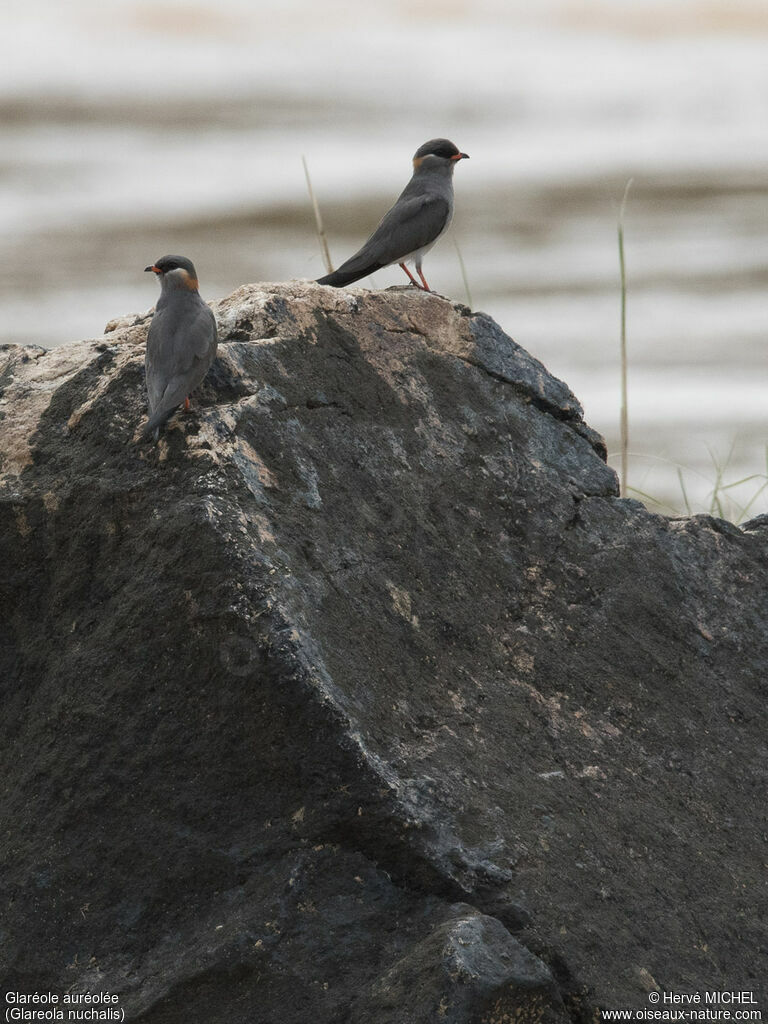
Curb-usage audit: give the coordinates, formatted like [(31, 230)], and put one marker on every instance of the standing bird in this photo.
[(181, 344), (413, 225)]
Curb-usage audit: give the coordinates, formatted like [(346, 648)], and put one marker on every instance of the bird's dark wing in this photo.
[(153, 359), (413, 222), (181, 345)]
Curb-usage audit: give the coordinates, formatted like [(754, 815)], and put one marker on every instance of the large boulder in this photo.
[(362, 696)]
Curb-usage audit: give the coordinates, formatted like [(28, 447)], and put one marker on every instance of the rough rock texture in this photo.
[(362, 697)]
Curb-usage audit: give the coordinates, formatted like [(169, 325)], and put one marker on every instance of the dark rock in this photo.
[(758, 523), (362, 669), (467, 969)]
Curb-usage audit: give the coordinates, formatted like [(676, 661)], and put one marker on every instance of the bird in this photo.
[(181, 343), (408, 231)]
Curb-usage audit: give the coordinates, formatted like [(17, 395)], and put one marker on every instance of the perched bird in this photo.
[(181, 344), (413, 225)]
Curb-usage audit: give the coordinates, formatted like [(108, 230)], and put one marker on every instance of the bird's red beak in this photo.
[(460, 156), (154, 269)]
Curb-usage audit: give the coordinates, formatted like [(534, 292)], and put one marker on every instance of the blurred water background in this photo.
[(132, 129)]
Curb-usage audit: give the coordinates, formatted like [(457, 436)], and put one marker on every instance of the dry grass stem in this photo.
[(624, 404), (318, 221), (463, 269)]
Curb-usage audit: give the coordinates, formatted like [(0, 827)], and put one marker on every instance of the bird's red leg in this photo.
[(186, 404), (413, 279), (426, 286)]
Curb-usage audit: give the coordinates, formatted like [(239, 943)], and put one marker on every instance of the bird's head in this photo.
[(175, 272), (437, 154)]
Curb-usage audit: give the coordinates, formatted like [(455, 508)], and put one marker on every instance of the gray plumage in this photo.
[(422, 213), (181, 343)]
